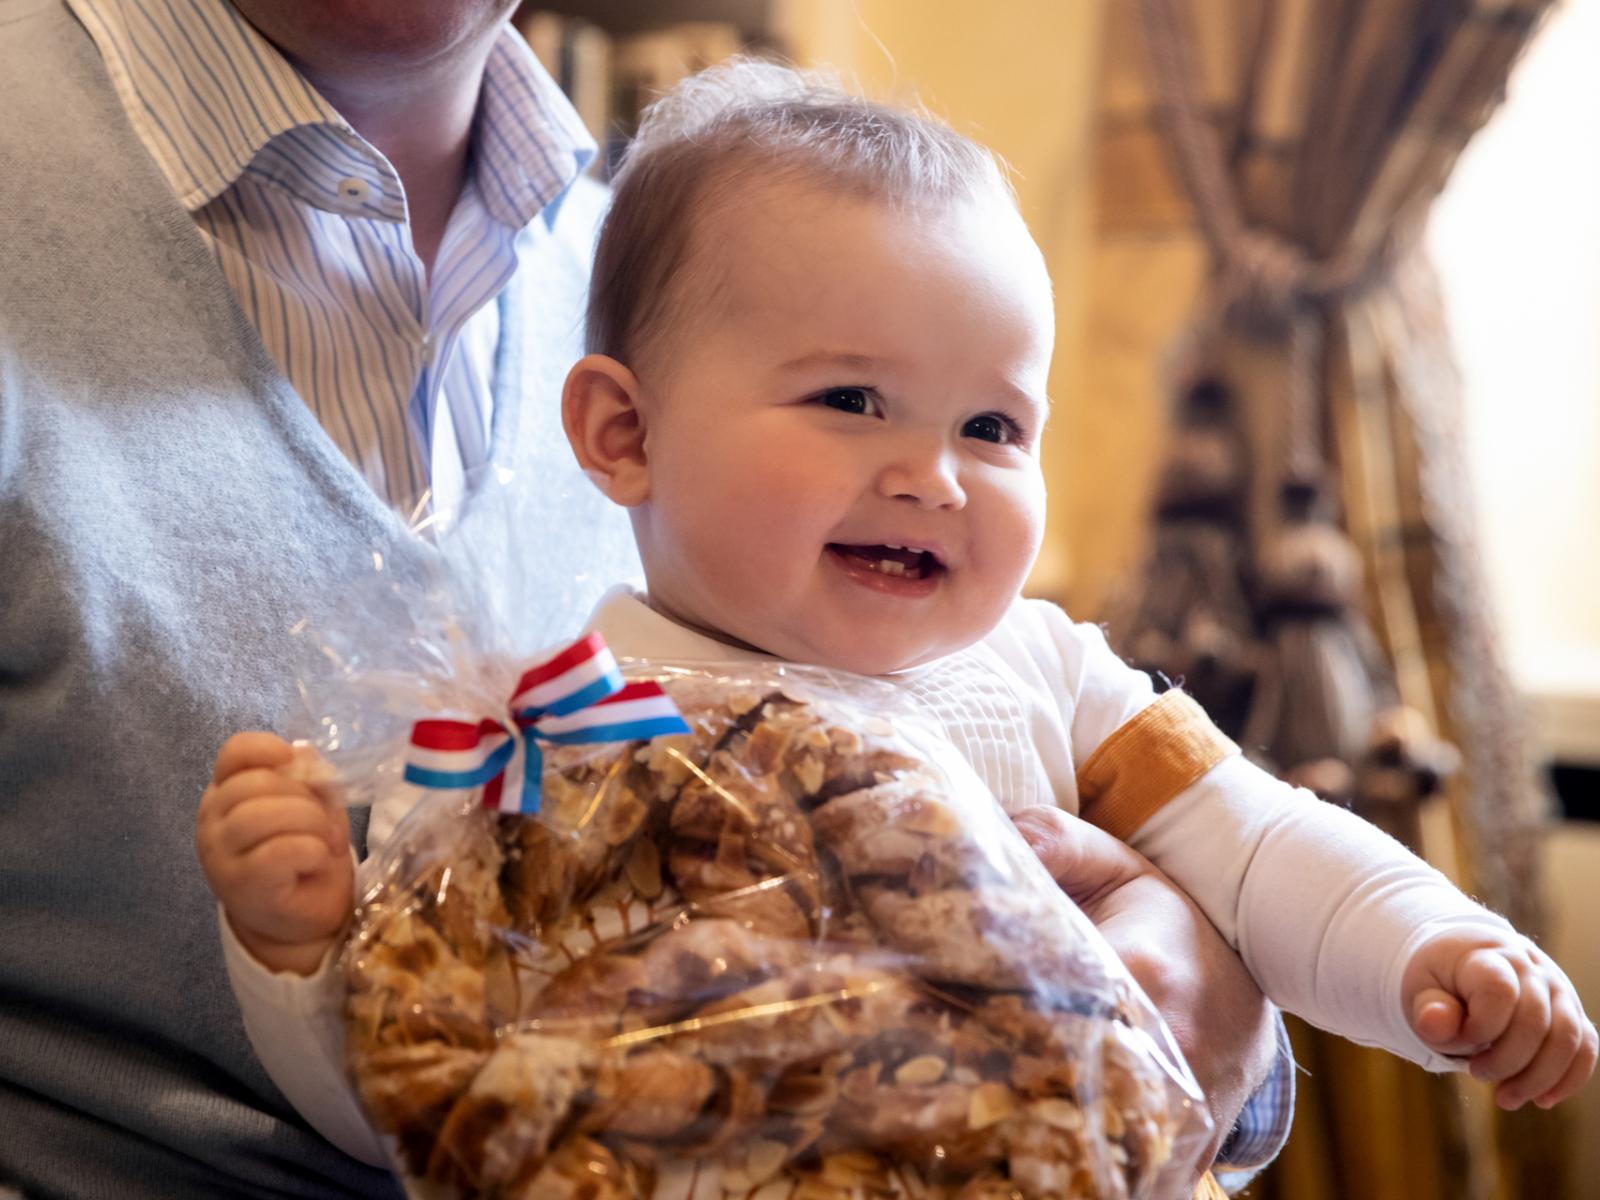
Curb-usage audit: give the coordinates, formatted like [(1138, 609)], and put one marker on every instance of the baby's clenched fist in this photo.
[(1502, 1004), (275, 847)]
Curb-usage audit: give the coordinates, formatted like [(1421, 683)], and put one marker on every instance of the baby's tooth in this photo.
[(891, 566)]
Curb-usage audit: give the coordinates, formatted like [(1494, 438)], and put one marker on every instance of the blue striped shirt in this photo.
[(308, 223), (1261, 1131)]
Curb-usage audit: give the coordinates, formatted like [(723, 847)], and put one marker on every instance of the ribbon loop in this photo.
[(574, 697)]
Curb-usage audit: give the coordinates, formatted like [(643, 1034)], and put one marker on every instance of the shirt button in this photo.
[(354, 190), (426, 347)]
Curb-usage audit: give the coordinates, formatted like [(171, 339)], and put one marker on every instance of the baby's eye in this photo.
[(850, 400), (993, 427)]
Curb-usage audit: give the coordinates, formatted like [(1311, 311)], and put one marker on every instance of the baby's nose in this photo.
[(927, 476)]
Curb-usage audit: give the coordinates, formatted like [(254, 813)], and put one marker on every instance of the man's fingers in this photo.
[(245, 750), (1044, 829), (1087, 862), (1215, 1012)]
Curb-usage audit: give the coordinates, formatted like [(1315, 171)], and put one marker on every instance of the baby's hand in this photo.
[(275, 849), (1499, 1001)]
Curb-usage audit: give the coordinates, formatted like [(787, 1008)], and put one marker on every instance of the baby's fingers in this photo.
[(1578, 1072), (1491, 988), (244, 751), (1568, 1040), (1436, 1015), (255, 821), (1523, 1036), (280, 861), (252, 783)]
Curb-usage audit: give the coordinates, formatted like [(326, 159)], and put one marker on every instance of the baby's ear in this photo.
[(600, 412)]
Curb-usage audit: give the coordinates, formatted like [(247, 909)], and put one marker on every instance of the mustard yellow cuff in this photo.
[(1147, 761)]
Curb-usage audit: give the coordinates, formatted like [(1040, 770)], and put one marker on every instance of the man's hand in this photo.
[(1218, 1016), (276, 851)]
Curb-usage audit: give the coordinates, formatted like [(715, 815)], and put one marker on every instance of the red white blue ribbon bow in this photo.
[(576, 696)]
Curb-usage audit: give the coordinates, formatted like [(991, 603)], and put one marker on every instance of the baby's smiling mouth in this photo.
[(897, 562)]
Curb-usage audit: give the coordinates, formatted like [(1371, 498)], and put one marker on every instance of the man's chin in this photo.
[(325, 34)]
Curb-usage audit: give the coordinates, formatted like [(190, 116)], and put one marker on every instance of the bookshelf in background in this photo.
[(612, 59)]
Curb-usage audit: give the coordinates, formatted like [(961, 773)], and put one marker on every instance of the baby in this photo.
[(819, 336)]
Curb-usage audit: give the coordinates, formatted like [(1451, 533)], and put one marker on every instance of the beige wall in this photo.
[(1018, 75)]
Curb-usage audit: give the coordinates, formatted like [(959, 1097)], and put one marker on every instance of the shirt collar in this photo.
[(202, 88), (530, 144), (206, 93), (635, 630)]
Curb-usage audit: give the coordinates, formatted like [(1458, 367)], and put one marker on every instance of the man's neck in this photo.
[(421, 121)]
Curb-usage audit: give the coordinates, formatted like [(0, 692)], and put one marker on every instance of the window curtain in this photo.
[(1312, 572)]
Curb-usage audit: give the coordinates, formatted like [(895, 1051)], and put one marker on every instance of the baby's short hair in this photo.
[(745, 121)]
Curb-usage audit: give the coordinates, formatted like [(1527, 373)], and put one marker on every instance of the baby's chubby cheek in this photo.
[(696, 573)]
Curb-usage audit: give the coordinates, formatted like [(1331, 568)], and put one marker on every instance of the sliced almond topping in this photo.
[(925, 1068), (810, 773), (1112, 1116), (734, 1179), (928, 816), (990, 1102), (644, 868), (764, 1160), (846, 741), (1058, 1114), (852, 1168), (621, 816), (665, 758)]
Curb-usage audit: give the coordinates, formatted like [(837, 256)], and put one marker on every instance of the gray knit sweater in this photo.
[(169, 507)]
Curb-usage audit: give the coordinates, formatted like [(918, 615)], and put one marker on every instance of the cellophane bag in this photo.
[(796, 953)]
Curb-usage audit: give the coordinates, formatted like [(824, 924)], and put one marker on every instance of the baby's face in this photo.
[(843, 443)]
